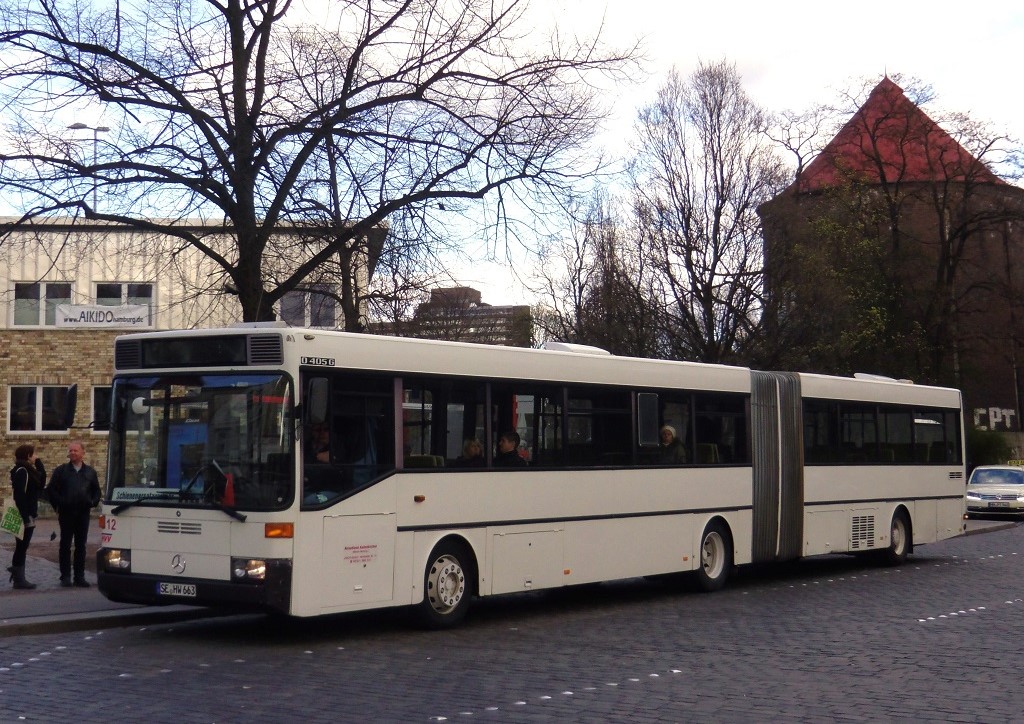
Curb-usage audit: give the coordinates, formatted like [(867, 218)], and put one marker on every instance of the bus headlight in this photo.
[(117, 560), (248, 569)]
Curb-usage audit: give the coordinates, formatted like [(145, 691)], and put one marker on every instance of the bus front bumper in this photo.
[(271, 594)]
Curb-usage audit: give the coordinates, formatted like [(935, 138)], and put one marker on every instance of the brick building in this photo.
[(896, 199), (48, 362)]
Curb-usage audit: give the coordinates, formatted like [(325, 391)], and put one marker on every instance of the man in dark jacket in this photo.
[(74, 490), (508, 451)]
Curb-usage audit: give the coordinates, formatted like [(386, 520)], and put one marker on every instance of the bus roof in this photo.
[(566, 363)]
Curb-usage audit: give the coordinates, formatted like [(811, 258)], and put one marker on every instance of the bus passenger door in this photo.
[(357, 565)]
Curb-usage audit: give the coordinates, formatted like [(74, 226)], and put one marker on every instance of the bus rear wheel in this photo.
[(899, 540), (715, 557), (447, 586)]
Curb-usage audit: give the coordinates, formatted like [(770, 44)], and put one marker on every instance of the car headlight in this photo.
[(972, 494), (248, 569), (117, 560)]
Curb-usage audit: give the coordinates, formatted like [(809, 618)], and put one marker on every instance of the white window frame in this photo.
[(123, 301), (37, 428), (42, 311), (124, 291)]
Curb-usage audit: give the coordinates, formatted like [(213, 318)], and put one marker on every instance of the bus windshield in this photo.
[(213, 439)]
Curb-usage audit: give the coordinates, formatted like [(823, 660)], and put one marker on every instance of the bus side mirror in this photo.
[(316, 400)]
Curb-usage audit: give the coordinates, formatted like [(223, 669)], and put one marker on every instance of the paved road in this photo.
[(824, 639)]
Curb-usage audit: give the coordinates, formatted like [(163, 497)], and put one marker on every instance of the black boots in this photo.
[(18, 577)]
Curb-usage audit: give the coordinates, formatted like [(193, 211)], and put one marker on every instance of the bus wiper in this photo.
[(143, 499), (210, 494)]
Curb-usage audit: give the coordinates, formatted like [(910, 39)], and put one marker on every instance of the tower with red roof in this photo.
[(895, 250)]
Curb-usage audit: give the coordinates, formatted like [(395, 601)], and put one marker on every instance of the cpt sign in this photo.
[(318, 361)]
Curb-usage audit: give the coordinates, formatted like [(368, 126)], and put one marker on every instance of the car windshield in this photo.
[(220, 439), (995, 476)]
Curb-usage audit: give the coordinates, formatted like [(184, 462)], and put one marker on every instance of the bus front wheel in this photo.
[(715, 557), (447, 586)]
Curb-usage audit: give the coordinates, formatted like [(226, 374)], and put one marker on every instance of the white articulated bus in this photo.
[(310, 472)]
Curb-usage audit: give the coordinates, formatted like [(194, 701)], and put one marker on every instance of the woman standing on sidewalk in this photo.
[(27, 481)]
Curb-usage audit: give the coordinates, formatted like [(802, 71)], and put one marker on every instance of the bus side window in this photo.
[(721, 429)]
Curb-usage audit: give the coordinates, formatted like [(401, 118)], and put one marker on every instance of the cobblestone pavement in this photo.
[(826, 639)]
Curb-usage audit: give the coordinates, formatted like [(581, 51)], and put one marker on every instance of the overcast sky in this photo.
[(792, 54)]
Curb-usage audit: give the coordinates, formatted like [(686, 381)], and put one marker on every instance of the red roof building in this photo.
[(891, 140), (898, 252)]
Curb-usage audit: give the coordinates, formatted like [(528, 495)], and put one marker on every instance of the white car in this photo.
[(996, 490)]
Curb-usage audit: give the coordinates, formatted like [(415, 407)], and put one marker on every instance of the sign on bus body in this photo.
[(100, 315)]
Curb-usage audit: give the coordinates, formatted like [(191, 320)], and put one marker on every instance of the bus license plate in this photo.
[(185, 590), (1000, 504)]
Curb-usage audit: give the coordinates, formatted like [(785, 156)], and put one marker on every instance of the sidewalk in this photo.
[(51, 609)]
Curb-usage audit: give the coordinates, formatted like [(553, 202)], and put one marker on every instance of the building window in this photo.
[(116, 294), (37, 408), (35, 303), (101, 402), (312, 307)]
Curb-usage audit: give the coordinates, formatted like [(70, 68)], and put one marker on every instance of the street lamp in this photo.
[(96, 131)]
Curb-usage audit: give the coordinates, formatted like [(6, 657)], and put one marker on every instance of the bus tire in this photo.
[(715, 557), (447, 586), (899, 540)]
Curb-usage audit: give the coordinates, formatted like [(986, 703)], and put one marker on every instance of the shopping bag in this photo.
[(10, 520)]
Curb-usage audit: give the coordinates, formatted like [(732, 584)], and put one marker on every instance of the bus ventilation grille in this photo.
[(956, 475), (862, 533), (127, 355), (266, 349), (179, 528)]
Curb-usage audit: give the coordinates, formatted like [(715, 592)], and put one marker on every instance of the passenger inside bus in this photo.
[(508, 451), (671, 451), (472, 455)]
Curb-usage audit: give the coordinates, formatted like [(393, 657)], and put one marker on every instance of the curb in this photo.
[(104, 619), (992, 528)]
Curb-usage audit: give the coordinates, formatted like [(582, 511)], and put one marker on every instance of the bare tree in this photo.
[(596, 285), (234, 111), (703, 165)]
